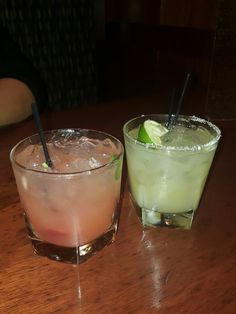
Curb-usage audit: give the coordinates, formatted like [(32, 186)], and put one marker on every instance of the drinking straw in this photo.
[(186, 83), (41, 135), (172, 121), (171, 106)]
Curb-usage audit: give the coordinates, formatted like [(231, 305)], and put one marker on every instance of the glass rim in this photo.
[(64, 174), (189, 118)]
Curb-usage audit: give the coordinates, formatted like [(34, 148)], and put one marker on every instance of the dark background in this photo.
[(93, 51), (146, 47)]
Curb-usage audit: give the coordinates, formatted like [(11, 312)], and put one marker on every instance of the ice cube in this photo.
[(31, 157), (69, 154), (78, 164), (87, 145), (107, 148), (94, 163)]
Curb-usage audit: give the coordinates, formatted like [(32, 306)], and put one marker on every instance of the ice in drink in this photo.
[(74, 204), (167, 179)]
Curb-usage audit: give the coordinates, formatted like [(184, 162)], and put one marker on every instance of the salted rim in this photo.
[(13, 160), (171, 147)]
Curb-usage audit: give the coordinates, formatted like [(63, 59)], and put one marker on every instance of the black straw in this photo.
[(172, 121), (171, 106), (41, 135), (182, 96)]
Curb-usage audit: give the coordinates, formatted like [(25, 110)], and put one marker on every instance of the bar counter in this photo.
[(144, 270)]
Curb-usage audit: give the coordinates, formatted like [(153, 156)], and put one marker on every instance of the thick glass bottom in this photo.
[(71, 255), (153, 218)]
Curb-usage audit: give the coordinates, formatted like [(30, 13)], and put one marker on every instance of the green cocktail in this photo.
[(166, 178)]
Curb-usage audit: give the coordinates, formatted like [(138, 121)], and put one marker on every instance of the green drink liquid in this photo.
[(167, 180)]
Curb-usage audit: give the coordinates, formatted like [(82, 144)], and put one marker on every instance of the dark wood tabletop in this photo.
[(144, 270)]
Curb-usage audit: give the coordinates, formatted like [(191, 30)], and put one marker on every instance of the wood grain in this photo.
[(145, 270)]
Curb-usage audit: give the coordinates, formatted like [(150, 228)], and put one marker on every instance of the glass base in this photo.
[(71, 255), (156, 219), (151, 218)]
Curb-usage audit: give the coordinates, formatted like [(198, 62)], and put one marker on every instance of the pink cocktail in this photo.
[(71, 210)]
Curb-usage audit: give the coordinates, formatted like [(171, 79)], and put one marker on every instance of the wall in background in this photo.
[(222, 87)]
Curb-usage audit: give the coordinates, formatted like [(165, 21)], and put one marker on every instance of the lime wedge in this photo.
[(151, 131)]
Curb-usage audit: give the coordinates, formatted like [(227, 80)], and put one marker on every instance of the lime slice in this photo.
[(118, 166), (151, 131)]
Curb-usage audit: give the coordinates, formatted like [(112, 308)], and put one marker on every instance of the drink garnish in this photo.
[(118, 166), (151, 131), (45, 165)]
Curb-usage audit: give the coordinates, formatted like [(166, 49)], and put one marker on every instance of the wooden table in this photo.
[(145, 270)]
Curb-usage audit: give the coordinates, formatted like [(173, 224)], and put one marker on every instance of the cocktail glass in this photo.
[(166, 181), (70, 213)]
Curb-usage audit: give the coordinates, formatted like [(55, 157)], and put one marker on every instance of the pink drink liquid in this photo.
[(75, 202)]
